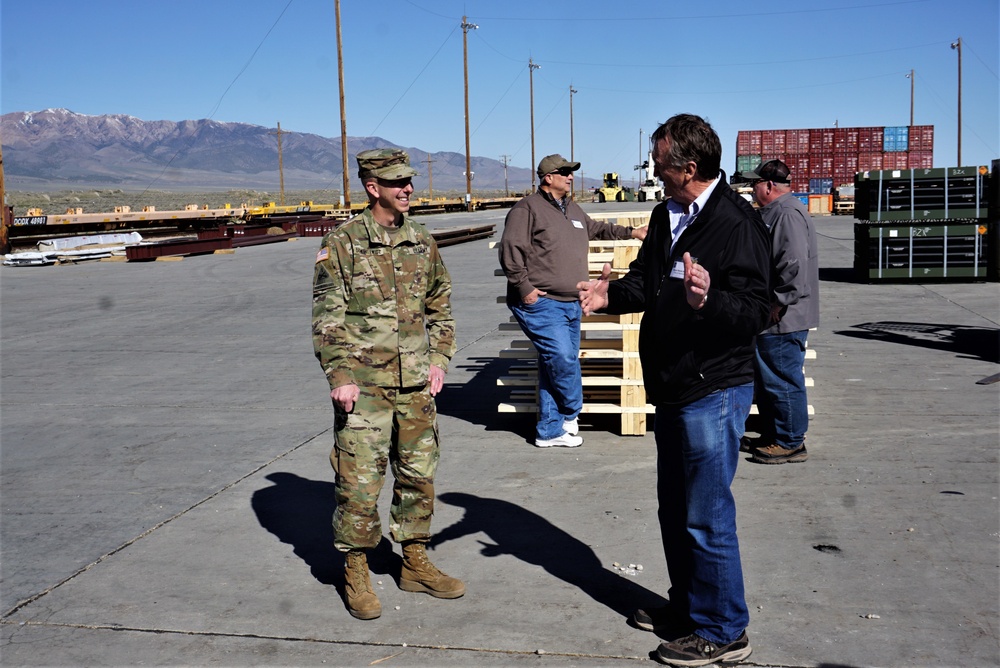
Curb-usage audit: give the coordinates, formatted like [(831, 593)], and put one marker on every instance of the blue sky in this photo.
[(632, 64)]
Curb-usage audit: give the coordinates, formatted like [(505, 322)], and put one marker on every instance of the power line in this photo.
[(426, 65), (643, 20)]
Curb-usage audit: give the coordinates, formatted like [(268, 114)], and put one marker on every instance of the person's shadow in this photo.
[(534, 540), (299, 512)]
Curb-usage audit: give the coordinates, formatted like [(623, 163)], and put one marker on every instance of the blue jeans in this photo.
[(781, 388), (554, 328), (698, 448)]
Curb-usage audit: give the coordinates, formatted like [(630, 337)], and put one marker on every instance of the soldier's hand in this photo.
[(345, 396), (436, 380)]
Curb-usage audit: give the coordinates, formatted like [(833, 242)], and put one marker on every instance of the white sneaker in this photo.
[(564, 441), (571, 427)]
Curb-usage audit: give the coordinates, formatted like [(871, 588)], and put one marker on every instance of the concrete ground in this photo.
[(166, 493)]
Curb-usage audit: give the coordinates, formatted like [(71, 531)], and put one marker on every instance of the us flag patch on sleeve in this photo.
[(323, 254)]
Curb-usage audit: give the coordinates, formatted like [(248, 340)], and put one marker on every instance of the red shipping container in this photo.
[(766, 142), (869, 162), (865, 140), (797, 141), (921, 159), (743, 143), (800, 186), (798, 165), (921, 138), (755, 143), (779, 142), (839, 139), (826, 140), (852, 140), (821, 166), (815, 141), (892, 160)]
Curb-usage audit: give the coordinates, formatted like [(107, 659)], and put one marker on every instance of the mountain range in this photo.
[(58, 149)]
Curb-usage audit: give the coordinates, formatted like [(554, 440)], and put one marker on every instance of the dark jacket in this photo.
[(688, 354)]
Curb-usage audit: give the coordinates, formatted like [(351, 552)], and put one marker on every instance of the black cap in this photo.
[(772, 170)]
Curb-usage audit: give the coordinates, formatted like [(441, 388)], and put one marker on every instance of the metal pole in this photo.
[(531, 86), (957, 45), (468, 158), (343, 114), (571, 158), (911, 98)]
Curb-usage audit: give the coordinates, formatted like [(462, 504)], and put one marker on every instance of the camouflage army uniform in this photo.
[(381, 317)]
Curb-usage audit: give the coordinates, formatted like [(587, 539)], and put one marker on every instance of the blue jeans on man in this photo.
[(781, 388), (554, 329), (698, 449)]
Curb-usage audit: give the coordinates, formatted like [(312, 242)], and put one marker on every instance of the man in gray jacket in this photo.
[(781, 348)]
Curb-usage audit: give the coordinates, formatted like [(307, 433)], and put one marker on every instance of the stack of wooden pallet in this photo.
[(609, 350)]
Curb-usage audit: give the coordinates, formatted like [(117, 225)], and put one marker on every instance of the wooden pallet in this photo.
[(609, 350)]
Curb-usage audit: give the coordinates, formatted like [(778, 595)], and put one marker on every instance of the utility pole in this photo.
[(466, 26), (957, 45), (531, 87), (910, 77), (571, 159), (640, 158), (504, 159), (430, 177), (5, 217), (343, 116), (281, 168)]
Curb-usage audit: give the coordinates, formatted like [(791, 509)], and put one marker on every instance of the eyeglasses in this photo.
[(565, 171), (394, 183)]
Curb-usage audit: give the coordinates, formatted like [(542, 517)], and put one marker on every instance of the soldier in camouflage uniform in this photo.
[(384, 334)]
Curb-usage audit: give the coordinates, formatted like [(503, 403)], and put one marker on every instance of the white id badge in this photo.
[(577, 224), (678, 270)]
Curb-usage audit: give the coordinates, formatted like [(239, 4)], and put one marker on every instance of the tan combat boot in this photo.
[(420, 575), (361, 600)]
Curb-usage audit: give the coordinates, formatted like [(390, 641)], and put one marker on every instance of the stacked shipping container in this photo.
[(822, 158)]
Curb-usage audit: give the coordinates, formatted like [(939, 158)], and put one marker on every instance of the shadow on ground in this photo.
[(476, 401), (534, 540), (837, 275), (969, 342), (299, 512)]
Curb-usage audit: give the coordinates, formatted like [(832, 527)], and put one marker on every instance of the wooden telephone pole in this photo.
[(505, 159), (5, 216), (531, 89), (466, 27), (343, 116), (430, 177), (281, 167)]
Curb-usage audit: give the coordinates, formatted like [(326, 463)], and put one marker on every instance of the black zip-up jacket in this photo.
[(688, 354)]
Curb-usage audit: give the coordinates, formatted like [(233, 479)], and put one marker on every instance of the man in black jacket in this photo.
[(701, 278)]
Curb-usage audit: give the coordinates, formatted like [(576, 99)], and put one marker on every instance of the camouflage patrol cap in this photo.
[(385, 163)]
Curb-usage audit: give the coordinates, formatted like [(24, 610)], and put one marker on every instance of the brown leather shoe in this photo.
[(775, 454), (361, 600), (420, 575)]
